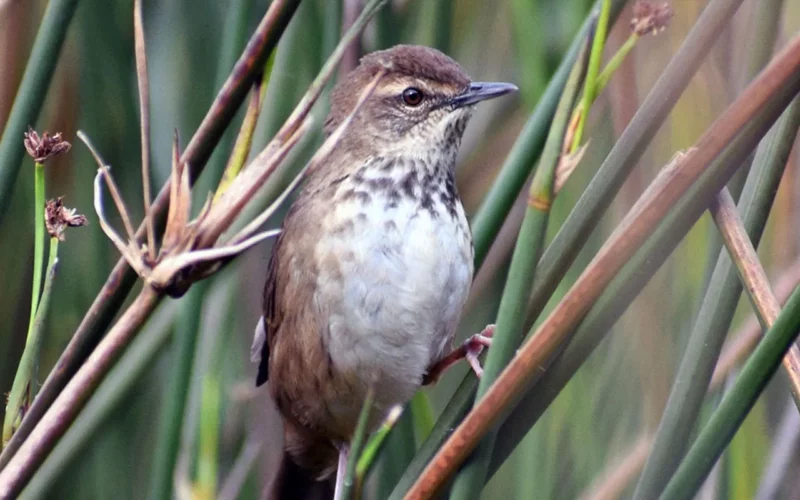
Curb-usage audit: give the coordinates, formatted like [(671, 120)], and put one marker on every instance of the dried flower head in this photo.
[(650, 17), (45, 147), (57, 218)]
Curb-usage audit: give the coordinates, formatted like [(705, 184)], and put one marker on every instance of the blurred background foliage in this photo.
[(229, 433)]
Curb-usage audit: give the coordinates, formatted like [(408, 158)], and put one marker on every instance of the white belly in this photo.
[(397, 281)]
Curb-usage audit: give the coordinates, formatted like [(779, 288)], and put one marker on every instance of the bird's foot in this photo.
[(474, 347), (469, 350)]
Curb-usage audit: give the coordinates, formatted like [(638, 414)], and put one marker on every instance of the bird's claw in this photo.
[(474, 347)]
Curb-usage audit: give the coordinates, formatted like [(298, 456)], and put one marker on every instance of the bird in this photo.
[(367, 280)]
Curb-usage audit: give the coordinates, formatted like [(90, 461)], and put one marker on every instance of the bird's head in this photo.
[(421, 105)]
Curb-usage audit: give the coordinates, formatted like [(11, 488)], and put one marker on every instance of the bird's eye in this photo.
[(412, 96)]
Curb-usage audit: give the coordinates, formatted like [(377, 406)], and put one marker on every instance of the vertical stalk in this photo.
[(38, 238), (21, 395)]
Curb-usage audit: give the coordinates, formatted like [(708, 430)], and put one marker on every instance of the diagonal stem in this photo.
[(726, 216), (510, 315), (66, 407), (711, 323), (749, 335), (630, 146), (618, 476)]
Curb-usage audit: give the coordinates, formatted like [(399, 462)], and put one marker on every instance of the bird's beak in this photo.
[(481, 91)]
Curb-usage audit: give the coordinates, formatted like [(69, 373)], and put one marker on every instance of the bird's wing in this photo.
[(295, 233), (268, 323)]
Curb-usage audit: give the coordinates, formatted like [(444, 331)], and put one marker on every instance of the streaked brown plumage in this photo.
[(373, 265)]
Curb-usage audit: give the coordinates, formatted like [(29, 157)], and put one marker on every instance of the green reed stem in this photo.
[(360, 436), (21, 395), (38, 238), (590, 86), (614, 63)]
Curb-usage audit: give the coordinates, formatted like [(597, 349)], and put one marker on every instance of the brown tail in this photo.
[(307, 467), (294, 482)]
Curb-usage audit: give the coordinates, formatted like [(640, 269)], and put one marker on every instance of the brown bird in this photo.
[(368, 277)]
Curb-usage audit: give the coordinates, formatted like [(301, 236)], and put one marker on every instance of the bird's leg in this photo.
[(341, 471), (469, 350)]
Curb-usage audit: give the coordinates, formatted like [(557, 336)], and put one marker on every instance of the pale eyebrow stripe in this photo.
[(398, 85)]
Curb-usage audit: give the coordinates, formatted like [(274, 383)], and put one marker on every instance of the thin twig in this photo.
[(782, 79), (726, 216), (188, 259), (144, 110), (112, 187)]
